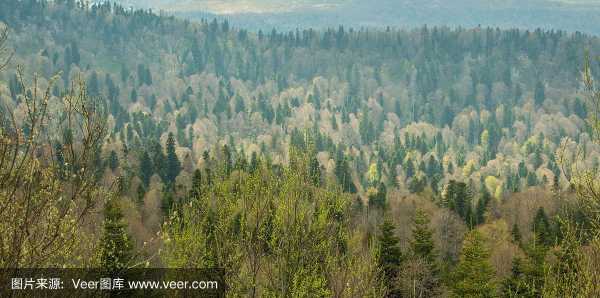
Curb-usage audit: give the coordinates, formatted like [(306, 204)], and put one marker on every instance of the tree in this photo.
[(516, 285), (474, 275), (422, 242), (51, 180), (159, 161), (173, 165), (146, 168), (389, 256), (516, 234), (457, 197), (113, 160), (539, 94), (482, 206), (342, 173), (423, 252), (116, 246), (541, 228), (315, 171)]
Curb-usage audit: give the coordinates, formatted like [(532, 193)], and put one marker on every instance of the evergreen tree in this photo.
[(482, 206), (342, 172), (541, 228), (315, 172), (422, 247), (532, 179), (159, 161), (474, 275), (116, 245), (422, 242), (113, 160), (522, 169), (516, 284), (457, 197), (146, 170), (389, 255), (516, 234), (539, 94), (173, 165), (140, 193)]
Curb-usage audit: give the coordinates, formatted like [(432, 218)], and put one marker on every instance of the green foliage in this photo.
[(113, 160), (146, 168), (274, 233), (422, 243), (458, 197), (542, 228), (389, 256), (173, 165), (116, 247), (474, 275)]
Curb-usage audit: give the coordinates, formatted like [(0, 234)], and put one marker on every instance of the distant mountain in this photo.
[(569, 15)]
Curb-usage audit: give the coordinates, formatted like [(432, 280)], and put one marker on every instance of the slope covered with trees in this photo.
[(341, 162)]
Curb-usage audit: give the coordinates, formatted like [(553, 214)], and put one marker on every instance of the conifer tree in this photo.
[(389, 255), (516, 284), (173, 165), (539, 94), (516, 234), (474, 275), (315, 172), (541, 228), (342, 172), (423, 253), (116, 245), (481, 206), (146, 169), (113, 160), (422, 242)]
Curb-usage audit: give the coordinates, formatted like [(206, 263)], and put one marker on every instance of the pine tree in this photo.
[(539, 94), (116, 246), (342, 172), (516, 234), (532, 179), (422, 247), (516, 284), (141, 192), (113, 160), (159, 161), (389, 255), (457, 197), (482, 206), (146, 170), (474, 275), (541, 228), (315, 172), (422, 242), (522, 169), (173, 165)]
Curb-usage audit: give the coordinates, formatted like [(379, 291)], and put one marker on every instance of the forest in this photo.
[(341, 162)]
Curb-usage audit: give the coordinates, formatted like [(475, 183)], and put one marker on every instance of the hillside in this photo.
[(277, 155), (288, 15)]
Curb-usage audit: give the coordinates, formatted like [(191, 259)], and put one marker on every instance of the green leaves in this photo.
[(274, 233)]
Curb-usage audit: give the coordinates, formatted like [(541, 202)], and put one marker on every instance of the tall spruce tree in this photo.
[(389, 256), (422, 242), (474, 275), (146, 169), (541, 228), (116, 248), (113, 160), (173, 165)]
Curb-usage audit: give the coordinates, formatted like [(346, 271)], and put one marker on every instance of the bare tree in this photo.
[(5, 53), (48, 182)]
